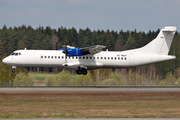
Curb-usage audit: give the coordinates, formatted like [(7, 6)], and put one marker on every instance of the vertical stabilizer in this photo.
[(162, 43)]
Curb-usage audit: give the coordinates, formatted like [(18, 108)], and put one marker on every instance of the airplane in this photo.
[(88, 58)]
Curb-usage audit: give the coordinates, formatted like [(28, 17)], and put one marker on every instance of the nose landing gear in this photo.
[(13, 69)]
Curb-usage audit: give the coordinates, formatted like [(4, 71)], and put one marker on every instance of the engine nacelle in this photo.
[(75, 52)]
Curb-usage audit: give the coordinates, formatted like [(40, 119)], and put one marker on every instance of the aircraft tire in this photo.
[(13, 70), (79, 72), (84, 72)]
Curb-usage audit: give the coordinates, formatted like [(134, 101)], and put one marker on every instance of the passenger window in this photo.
[(16, 54), (104, 57), (41, 56), (51, 56), (115, 58), (19, 53), (62, 57), (97, 57), (79, 57), (72, 57), (59, 57), (118, 58), (125, 58), (44, 56), (76, 57), (101, 57), (55, 57), (111, 58), (90, 57), (122, 58), (48, 56), (108, 58), (86, 57), (83, 57)]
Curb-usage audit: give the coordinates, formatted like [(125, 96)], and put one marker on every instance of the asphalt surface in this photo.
[(92, 89)]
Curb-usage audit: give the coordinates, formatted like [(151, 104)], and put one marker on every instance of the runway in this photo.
[(59, 97), (92, 89)]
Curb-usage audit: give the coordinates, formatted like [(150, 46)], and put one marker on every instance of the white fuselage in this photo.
[(104, 59), (155, 51)]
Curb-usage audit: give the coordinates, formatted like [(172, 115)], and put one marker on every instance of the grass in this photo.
[(89, 104), (40, 76)]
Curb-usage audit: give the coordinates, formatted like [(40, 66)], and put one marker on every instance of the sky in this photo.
[(142, 15)]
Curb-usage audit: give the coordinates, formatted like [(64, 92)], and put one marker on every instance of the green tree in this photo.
[(5, 74), (1, 49), (117, 77), (84, 80), (51, 81), (22, 79), (119, 43), (99, 75), (170, 79), (20, 45), (46, 44), (64, 78), (131, 43), (86, 42)]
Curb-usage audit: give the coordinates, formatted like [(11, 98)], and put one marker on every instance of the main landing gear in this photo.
[(82, 71)]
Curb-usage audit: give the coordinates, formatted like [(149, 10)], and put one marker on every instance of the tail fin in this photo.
[(162, 43)]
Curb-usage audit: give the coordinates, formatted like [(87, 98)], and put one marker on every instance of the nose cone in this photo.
[(5, 60)]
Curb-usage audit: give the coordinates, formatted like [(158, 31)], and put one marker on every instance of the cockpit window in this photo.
[(16, 54), (13, 53)]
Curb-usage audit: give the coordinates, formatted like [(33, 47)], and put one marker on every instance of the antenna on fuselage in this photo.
[(25, 48)]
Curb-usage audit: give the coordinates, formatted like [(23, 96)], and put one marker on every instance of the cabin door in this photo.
[(131, 59)]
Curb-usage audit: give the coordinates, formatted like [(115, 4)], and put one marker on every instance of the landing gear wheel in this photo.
[(84, 72), (79, 72), (13, 70)]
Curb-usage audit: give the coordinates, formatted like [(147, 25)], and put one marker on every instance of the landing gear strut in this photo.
[(81, 71), (13, 70)]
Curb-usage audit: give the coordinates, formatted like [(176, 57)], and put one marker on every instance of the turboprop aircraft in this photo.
[(87, 58)]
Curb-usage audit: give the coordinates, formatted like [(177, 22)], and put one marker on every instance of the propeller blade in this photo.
[(65, 50)]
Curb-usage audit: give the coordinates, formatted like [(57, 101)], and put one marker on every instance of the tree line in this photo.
[(47, 38)]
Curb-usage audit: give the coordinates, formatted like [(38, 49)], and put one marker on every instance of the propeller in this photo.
[(65, 51)]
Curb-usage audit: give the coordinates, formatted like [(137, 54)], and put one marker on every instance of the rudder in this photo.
[(162, 43)]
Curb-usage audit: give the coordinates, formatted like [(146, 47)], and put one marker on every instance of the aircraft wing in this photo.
[(92, 49)]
